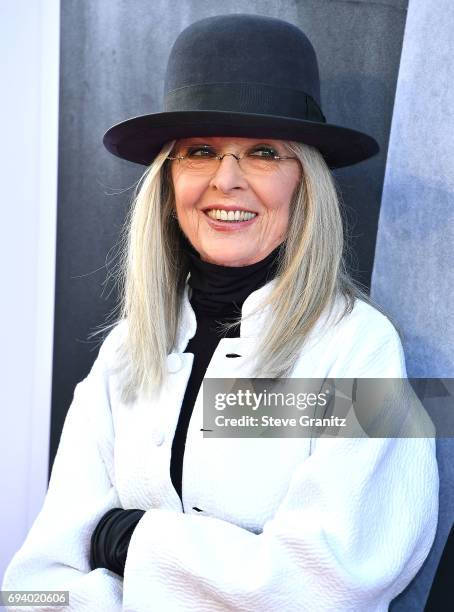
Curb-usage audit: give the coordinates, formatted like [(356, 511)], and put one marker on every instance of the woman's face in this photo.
[(267, 193)]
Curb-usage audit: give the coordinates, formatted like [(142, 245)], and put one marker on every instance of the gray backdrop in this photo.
[(414, 272)]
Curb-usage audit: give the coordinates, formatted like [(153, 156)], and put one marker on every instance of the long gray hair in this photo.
[(152, 271)]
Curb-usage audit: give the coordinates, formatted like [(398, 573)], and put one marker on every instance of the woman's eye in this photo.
[(200, 152), (264, 152)]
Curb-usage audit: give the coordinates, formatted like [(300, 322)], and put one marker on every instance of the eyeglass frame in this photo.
[(237, 157)]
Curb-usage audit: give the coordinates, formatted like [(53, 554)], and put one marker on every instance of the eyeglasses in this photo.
[(204, 159)]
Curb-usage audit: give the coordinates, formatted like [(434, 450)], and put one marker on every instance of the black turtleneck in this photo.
[(218, 294), (221, 290)]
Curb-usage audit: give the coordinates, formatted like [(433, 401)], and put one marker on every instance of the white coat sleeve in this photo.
[(357, 521), (55, 554)]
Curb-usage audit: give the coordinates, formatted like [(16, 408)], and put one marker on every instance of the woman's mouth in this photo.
[(229, 220), (230, 216)]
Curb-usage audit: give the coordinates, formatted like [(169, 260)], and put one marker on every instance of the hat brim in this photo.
[(140, 139)]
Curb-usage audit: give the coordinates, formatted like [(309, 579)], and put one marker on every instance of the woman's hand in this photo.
[(110, 539)]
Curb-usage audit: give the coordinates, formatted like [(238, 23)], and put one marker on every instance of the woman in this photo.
[(232, 268)]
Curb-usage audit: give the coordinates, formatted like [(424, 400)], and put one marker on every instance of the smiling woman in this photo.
[(232, 267), (216, 180)]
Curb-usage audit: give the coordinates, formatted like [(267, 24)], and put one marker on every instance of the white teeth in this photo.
[(237, 215)]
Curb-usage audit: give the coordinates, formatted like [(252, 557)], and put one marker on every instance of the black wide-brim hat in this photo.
[(244, 76)]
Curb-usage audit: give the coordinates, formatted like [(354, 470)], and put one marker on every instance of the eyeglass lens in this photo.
[(258, 159)]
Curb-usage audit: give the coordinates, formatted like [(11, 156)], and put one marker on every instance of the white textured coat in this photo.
[(342, 526)]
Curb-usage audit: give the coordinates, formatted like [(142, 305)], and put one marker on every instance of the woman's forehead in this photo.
[(222, 141)]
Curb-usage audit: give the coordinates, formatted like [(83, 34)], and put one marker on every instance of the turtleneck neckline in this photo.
[(221, 290)]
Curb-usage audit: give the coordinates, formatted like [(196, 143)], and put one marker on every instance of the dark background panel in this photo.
[(113, 57)]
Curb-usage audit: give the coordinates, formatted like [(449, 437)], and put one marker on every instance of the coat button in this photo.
[(173, 362), (158, 437)]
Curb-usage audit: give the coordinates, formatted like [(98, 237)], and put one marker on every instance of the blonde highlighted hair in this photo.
[(152, 271)]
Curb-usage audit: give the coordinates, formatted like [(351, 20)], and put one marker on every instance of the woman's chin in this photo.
[(221, 259)]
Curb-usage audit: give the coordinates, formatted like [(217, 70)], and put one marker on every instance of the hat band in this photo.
[(248, 98)]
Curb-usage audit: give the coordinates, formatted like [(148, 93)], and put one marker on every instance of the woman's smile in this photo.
[(229, 219)]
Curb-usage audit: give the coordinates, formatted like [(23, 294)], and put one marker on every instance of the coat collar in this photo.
[(249, 327)]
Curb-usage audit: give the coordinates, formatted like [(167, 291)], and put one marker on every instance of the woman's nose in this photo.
[(229, 175)]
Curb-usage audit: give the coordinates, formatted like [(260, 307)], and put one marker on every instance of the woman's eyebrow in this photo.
[(195, 143)]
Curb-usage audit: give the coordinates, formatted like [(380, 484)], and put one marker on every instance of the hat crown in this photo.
[(244, 76), (240, 49)]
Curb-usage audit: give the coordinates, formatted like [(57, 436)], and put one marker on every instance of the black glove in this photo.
[(110, 539)]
